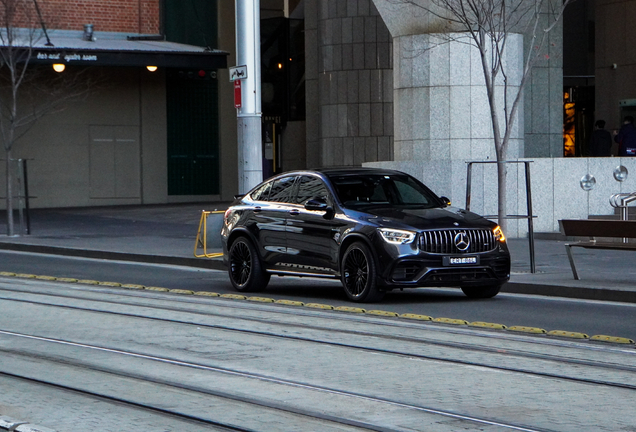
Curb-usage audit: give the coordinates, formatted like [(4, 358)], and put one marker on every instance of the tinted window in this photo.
[(310, 187), (262, 193), (282, 190), (376, 189)]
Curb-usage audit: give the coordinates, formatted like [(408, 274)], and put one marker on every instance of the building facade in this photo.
[(339, 88)]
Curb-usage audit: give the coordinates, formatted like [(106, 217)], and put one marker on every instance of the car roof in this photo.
[(357, 170)]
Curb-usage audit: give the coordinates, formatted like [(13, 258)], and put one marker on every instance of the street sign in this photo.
[(237, 93), (238, 72)]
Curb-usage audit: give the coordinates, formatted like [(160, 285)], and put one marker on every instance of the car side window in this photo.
[(282, 190), (310, 187), (409, 194), (262, 193)]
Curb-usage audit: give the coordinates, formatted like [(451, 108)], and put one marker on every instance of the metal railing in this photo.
[(621, 201), (529, 216)]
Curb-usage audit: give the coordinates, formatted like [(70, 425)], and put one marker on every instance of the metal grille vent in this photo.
[(444, 241)]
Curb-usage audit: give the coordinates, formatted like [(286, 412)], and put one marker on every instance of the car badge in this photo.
[(462, 242), (456, 223)]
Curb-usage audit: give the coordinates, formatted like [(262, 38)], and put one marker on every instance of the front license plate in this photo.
[(467, 260)]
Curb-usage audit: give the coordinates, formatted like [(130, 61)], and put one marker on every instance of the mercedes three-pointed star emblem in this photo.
[(462, 242)]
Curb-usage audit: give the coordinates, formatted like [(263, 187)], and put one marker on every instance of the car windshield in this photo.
[(363, 190)]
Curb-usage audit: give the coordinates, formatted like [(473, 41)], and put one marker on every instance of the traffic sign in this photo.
[(237, 94), (238, 72)]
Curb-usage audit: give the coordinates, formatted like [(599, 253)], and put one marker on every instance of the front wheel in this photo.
[(482, 292), (359, 274), (244, 267)]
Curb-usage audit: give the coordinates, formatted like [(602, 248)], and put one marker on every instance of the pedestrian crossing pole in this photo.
[(248, 93)]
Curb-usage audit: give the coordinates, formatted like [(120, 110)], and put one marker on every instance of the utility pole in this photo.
[(248, 93)]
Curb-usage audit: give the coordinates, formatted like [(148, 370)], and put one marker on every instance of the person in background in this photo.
[(626, 138), (601, 140)]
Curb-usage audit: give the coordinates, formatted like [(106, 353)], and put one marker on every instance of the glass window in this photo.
[(311, 187), (377, 189), (282, 190), (410, 193), (262, 193)]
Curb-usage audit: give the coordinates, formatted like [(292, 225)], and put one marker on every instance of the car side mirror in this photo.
[(446, 201), (319, 204), (316, 204)]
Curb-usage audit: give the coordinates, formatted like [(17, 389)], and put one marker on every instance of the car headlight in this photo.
[(397, 236), (499, 235)]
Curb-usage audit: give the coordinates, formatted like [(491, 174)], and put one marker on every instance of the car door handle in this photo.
[(257, 209), (294, 212)]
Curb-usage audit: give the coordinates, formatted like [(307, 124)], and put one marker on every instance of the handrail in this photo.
[(202, 237), (620, 200), (529, 216)]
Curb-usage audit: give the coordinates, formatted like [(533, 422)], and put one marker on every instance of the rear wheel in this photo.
[(359, 274), (244, 267), (482, 292)]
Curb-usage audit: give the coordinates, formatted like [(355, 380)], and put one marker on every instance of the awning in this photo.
[(118, 49)]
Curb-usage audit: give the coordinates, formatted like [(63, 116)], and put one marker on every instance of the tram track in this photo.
[(242, 399), (462, 346), (316, 331)]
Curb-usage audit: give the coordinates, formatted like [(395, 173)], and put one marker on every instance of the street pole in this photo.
[(248, 53)]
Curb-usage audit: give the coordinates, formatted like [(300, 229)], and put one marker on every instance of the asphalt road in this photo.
[(549, 313)]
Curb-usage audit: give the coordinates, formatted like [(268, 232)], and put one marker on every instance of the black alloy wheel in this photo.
[(245, 270), (359, 274), (482, 292)]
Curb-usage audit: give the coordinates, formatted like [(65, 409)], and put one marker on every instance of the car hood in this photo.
[(419, 219)]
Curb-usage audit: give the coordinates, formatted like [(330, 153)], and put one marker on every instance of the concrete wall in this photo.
[(108, 149), (556, 192)]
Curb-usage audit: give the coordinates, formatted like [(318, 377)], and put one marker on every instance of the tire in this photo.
[(359, 274), (244, 267), (482, 292)]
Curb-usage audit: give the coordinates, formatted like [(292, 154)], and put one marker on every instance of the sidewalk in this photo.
[(165, 234)]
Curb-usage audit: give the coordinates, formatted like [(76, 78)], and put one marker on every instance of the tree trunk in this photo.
[(9, 199)]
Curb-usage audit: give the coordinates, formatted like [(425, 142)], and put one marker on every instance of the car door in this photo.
[(270, 217), (310, 244)]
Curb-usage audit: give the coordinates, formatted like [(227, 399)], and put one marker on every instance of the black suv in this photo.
[(374, 229)]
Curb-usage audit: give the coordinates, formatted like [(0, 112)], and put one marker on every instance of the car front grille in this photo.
[(445, 241)]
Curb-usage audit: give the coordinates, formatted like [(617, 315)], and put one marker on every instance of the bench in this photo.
[(607, 229)]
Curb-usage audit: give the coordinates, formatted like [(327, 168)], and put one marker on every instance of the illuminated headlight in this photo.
[(397, 236), (499, 235)]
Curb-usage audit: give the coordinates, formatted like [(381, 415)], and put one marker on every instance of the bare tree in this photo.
[(487, 25), (27, 91)]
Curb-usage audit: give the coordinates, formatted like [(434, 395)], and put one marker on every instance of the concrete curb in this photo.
[(211, 264), (547, 290), (603, 294)]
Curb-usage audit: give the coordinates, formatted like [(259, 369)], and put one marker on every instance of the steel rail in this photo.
[(265, 378), (455, 345)]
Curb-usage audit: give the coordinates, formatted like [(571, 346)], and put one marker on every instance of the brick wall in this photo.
[(130, 16)]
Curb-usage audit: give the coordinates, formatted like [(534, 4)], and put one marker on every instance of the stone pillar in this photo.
[(441, 106), (352, 84)]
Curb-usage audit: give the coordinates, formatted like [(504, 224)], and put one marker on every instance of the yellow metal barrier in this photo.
[(202, 237)]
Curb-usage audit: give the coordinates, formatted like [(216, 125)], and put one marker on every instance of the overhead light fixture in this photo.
[(59, 67), (151, 68)]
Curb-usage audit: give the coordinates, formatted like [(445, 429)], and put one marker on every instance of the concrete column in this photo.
[(441, 107), (350, 80)]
